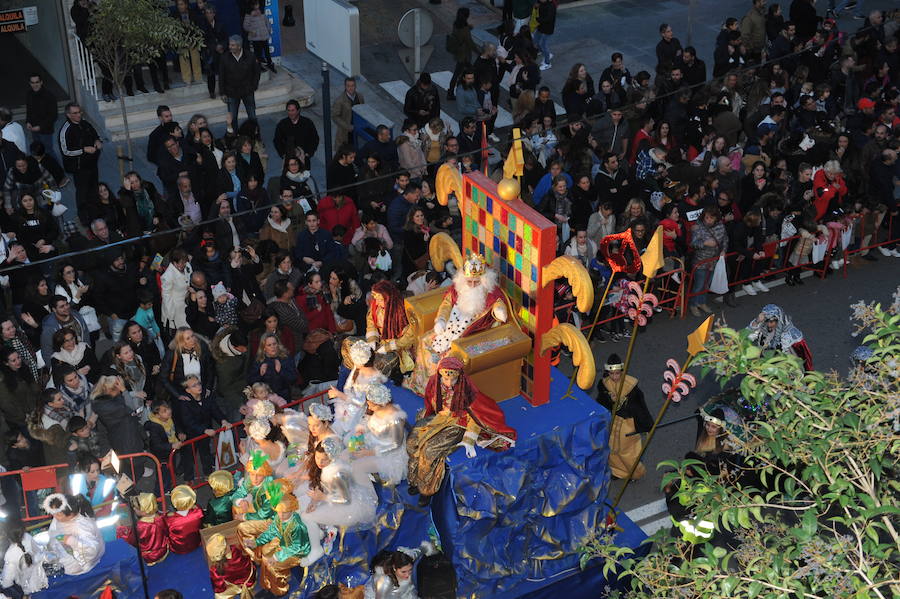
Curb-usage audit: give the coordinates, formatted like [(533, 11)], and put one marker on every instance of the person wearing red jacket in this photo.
[(184, 523), (151, 529), (311, 301), (829, 191), (339, 209)]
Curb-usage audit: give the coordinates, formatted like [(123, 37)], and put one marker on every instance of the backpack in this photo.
[(436, 577)]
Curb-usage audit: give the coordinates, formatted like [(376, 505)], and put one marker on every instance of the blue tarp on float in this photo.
[(511, 521)]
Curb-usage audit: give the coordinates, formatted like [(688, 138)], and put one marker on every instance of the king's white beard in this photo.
[(471, 301)]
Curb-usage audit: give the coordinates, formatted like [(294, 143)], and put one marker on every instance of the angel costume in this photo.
[(783, 336), (385, 434), (349, 410), (348, 502), (31, 579), (84, 547), (380, 586)]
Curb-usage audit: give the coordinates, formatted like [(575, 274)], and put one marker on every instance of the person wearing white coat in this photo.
[(176, 281), (23, 563)]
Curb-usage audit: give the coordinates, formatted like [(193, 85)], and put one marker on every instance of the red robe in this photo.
[(153, 533), (184, 531), (484, 410), (238, 571), (827, 194), (485, 320)]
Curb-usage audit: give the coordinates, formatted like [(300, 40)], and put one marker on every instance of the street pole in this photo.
[(690, 29), (326, 113)]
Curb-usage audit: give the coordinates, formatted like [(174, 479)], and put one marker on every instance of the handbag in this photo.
[(90, 318), (314, 339), (719, 282), (252, 313)]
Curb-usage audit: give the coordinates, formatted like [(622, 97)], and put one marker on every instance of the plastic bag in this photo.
[(719, 282), (818, 250)]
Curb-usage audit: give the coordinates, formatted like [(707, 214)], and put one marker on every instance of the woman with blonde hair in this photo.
[(187, 355), (118, 419), (273, 366), (523, 105), (635, 210)]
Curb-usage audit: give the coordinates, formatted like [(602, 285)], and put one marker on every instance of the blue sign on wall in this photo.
[(271, 12)]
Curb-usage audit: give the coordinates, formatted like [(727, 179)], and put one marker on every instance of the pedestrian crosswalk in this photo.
[(397, 90)]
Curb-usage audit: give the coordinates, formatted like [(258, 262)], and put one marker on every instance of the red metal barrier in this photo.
[(783, 249), (193, 443), (874, 242), (671, 299), (47, 477)]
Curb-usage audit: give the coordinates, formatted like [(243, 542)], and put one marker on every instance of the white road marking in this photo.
[(647, 510), (398, 90), (652, 527)]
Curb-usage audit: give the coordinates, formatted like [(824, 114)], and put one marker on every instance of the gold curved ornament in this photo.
[(582, 357), (442, 248), (448, 179), (577, 275)]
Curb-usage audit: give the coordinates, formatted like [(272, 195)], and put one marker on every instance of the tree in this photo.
[(126, 33), (812, 510)]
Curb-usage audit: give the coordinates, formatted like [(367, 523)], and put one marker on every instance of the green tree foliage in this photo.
[(126, 33), (814, 512)]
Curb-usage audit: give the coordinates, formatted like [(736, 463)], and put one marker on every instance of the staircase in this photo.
[(187, 100)]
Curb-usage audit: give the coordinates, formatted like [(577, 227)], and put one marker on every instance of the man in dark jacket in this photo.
[(115, 289), (62, 314), (229, 352), (80, 146), (175, 161), (159, 134), (668, 50), (215, 39), (296, 132), (40, 113), (238, 78), (546, 24), (422, 102)]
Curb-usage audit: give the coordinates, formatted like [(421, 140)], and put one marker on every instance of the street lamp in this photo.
[(125, 489)]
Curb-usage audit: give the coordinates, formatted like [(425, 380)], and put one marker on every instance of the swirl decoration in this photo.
[(582, 357), (441, 248), (574, 271), (678, 383), (640, 304), (448, 179)]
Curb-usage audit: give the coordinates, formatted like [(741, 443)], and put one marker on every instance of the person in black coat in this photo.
[(612, 184), (422, 102), (249, 159), (273, 366), (118, 422), (197, 413), (215, 43), (137, 337), (80, 146), (174, 160), (186, 354), (114, 291), (41, 112), (239, 73), (295, 132)]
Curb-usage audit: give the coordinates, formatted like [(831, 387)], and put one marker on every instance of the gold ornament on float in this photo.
[(508, 189)]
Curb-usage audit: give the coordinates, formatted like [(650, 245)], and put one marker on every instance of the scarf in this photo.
[(298, 177), (281, 227), (60, 416), (168, 427), (145, 208), (23, 347), (73, 357)]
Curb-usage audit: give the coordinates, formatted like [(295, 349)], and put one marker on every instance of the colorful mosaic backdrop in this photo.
[(517, 241)]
